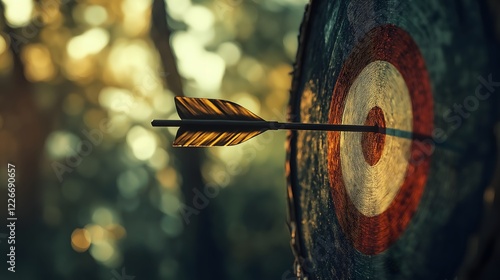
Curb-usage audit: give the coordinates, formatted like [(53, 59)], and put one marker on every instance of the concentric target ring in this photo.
[(374, 216)]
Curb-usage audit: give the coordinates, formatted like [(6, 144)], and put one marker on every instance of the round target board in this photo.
[(400, 203), (385, 83)]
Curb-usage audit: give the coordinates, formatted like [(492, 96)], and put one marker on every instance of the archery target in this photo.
[(376, 185), (373, 205)]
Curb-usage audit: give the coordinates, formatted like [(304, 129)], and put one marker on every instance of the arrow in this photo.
[(214, 122)]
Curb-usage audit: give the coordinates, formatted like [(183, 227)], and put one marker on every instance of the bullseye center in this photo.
[(373, 143)]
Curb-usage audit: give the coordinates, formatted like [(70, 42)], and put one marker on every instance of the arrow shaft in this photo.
[(329, 127), (263, 125), (215, 124)]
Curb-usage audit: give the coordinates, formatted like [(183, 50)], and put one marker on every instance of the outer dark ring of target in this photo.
[(373, 235)]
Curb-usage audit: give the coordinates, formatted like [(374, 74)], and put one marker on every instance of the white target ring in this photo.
[(372, 188)]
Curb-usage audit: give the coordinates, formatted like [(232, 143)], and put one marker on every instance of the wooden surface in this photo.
[(450, 36)]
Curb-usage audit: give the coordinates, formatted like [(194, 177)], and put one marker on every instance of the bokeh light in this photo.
[(142, 142), (61, 144), (95, 15), (90, 42), (18, 12), (38, 63), (80, 240)]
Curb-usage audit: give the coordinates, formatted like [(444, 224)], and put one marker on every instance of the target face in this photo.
[(404, 203), (376, 182)]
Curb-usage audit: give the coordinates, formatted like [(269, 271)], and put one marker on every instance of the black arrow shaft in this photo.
[(329, 127), (263, 125), (213, 123)]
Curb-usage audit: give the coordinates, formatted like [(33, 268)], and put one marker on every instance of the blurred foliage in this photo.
[(109, 187)]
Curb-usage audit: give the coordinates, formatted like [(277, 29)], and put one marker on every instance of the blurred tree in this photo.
[(208, 261)]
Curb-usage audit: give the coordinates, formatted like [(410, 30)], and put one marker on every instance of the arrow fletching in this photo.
[(212, 109), (192, 135), (187, 137)]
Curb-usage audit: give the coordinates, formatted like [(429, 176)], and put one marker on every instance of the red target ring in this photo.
[(374, 234)]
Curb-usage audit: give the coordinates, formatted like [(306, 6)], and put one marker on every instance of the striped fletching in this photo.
[(212, 109), (206, 138)]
